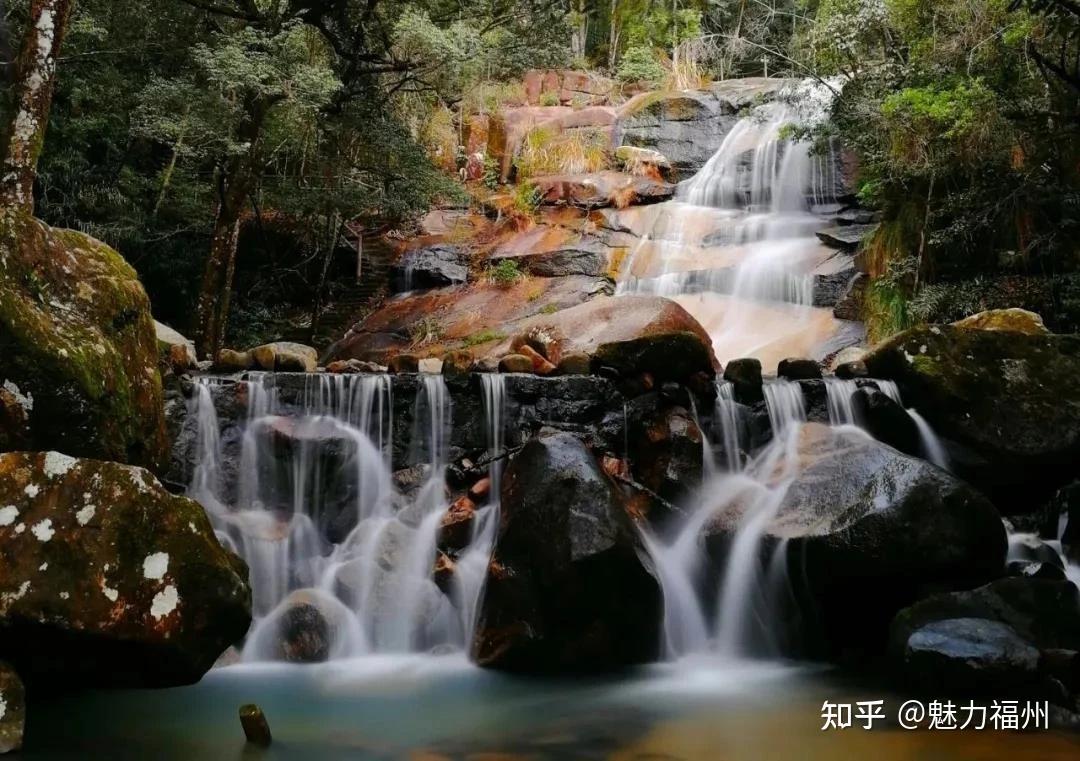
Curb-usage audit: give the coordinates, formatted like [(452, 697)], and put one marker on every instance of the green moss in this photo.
[(76, 334), (483, 337)]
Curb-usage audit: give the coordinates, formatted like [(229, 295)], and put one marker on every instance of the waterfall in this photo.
[(472, 565), (786, 404), (839, 393), (932, 448), (737, 246), (337, 555), (726, 419)]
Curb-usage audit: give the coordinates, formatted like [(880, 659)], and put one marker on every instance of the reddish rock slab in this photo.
[(598, 189)]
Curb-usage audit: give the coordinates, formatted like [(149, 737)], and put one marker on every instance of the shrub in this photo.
[(505, 273), (640, 64), (526, 199), (483, 337), (549, 99)]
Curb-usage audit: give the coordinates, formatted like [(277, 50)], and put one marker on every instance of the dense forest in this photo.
[(227, 147)]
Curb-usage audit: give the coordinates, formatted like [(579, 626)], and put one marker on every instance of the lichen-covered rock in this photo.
[(284, 356), (106, 579), (78, 345), (1009, 320), (12, 710), (1010, 400), (231, 361), (568, 588)]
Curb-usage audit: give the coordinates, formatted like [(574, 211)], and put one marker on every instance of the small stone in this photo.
[(799, 369), (345, 367), (577, 363), (256, 727), (546, 340), (12, 710), (480, 490), (430, 366), (540, 365), (456, 528), (515, 363), (852, 370), (458, 362)]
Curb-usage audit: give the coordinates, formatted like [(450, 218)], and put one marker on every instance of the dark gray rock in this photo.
[(886, 420), (431, 267), (745, 375), (846, 238), (587, 256), (568, 588), (665, 447), (849, 306), (967, 655), (799, 369)]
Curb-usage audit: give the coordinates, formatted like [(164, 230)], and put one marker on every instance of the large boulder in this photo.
[(1008, 320), (174, 350), (569, 587), (872, 530), (1010, 400), (666, 447), (285, 356), (555, 251), (78, 346), (106, 579)]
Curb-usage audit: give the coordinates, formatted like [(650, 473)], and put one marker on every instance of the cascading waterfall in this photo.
[(726, 419), (839, 393), (327, 536), (737, 248), (786, 404), (744, 501), (473, 563)]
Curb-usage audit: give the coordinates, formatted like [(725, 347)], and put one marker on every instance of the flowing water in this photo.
[(737, 248), (315, 513)]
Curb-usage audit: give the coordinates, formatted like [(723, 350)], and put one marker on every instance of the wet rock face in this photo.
[(80, 354), (667, 452), (108, 580), (865, 522), (1010, 401), (581, 598), (1017, 635), (966, 655), (886, 420), (431, 267)]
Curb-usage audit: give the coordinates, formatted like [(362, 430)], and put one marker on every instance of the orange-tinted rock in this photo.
[(480, 490), (515, 363), (443, 572), (575, 363), (589, 191), (455, 531), (540, 366), (547, 341), (404, 363), (555, 251), (534, 82), (477, 129)]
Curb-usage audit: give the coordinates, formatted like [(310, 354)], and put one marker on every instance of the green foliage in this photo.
[(483, 337), (505, 273), (549, 99), (546, 151), (641, 64), (526, 199)]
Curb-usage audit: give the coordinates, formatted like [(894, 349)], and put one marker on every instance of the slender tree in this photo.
[(34, 82)]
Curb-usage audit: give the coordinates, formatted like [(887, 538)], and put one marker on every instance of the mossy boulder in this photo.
[(78, 345), (1009, 320), (1008, 400), (106, 579)]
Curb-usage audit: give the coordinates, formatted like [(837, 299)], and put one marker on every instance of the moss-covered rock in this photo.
[(1010, 401), (107, 579), (77, 345)]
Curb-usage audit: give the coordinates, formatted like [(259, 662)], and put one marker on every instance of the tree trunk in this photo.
[(35, 81), (579, 29), (241, 177)]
